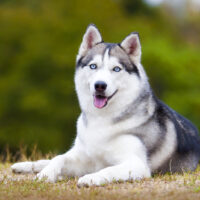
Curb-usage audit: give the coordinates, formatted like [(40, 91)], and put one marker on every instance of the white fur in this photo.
[(100, 149), (104, 151), (29, 167)]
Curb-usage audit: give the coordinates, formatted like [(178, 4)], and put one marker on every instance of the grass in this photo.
[(171, 187)]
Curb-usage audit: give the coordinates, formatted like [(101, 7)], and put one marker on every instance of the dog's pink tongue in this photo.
[(100, 102)]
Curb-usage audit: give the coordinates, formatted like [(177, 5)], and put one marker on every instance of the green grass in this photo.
[(171, 187)]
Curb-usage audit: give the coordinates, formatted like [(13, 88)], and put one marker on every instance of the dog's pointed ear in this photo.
[(131, 45), (91, 37)]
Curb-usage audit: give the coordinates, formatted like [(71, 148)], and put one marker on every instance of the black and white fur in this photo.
[(132, 134)]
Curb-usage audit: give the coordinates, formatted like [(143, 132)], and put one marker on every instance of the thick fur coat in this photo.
[(124, 132)]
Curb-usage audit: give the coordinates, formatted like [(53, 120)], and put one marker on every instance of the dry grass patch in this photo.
[(172, 187)]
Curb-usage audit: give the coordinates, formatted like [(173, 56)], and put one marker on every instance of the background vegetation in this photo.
[(38, 45)]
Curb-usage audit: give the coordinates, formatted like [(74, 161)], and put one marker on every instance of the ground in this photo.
[(171, 187)]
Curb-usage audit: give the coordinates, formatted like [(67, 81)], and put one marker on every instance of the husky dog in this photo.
[(124, 132)]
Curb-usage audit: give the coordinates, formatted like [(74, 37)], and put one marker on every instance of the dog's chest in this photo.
[(97, 138), (104, 142)]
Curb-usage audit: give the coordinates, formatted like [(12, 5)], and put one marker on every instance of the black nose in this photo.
[(100, 86)]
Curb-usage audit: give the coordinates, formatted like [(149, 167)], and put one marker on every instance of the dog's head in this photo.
[(108, 75)]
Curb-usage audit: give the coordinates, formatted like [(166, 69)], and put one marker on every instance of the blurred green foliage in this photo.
[(38, 45)]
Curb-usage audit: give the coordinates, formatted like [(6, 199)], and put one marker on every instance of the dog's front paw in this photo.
[(49, 174), (22, 167), (92, 179)]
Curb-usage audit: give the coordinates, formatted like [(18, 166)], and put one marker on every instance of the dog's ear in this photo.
[(131, 45), (91, 37)]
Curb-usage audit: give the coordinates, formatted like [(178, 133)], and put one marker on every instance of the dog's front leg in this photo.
[(71, 163), (132, 169)]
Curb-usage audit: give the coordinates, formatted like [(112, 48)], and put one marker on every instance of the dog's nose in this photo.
[(100, 86)]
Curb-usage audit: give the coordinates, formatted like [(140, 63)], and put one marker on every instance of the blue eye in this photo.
[(116, 69), (93, 66)]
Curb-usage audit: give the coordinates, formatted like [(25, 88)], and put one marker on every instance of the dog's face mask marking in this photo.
[(105, 71)]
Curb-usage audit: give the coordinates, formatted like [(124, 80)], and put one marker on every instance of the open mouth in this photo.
[(101, 100)]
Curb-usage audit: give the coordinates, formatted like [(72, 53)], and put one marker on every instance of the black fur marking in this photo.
[(99, 42), (159, 141), (158, 144), (187, 134), (188, 141), (108, 47), (130, 69), (160, 117), (79, 62), (83, 61)]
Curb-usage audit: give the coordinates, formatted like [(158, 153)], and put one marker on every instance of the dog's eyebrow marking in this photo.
[(83, 61), (117, 51), (131, 70), (79, 61)]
